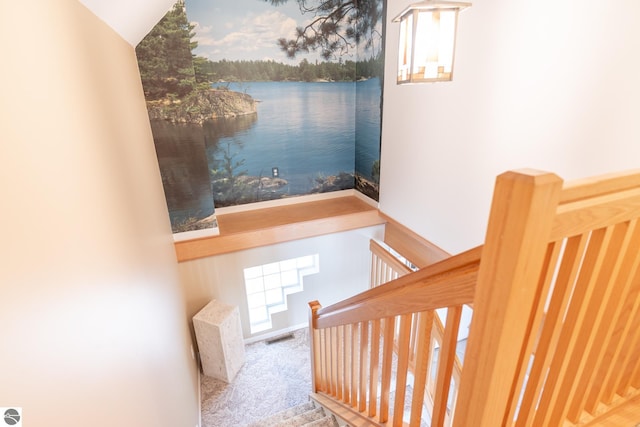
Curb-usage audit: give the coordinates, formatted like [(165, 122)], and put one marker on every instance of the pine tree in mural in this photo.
[(164, 57), (336, 27)]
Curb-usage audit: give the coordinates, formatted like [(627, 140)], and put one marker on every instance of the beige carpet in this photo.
[(274, 377)]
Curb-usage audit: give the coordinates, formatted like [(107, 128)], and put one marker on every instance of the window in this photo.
[(268, 285)]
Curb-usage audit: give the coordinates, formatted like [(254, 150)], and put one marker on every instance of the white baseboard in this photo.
[(273, 334)]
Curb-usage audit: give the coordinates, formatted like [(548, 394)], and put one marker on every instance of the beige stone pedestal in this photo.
[(219, 335)]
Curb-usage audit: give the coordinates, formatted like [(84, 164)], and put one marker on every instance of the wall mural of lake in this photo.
[(245, 108)]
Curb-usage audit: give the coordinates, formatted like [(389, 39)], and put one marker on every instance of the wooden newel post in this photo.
[(523, 208), (314, 345)]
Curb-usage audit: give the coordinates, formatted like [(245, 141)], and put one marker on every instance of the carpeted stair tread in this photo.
[(274, 419), (303, 419), (327, 421), (305, 415)]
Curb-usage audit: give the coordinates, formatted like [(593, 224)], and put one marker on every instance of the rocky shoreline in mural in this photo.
[(245, 189), (325, 184), (192, 224), (202, 105), (367, 187), (346, 181)]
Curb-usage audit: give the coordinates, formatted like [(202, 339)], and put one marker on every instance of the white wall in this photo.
[(131, 19), (551, 85), (92, 319), (345, 263)]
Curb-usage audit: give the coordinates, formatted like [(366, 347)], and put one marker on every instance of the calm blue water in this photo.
[(307, 130)]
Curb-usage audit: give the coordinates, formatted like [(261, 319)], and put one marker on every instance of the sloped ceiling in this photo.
[(132, 19)]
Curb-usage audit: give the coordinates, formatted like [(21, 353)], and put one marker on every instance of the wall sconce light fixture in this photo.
[(428, 41)]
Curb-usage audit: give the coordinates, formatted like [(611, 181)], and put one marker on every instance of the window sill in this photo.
[(270, 225)]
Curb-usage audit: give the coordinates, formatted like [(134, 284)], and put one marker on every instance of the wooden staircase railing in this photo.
[(353, 344), (555, 337), (386, 267), (554, 340)]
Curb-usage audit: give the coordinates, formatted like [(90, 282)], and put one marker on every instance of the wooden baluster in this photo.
[(635, 376), (570, 335), (320, 358), (403, 366), (387, 363), (364, 353), (340, 360), (630, 353), (355, 330), (373, 276), (347, 363), (445, 365), (412, 341), (617, 281), (629, 322), (423, 359), (580, 370), (550, 334), (328, 357), (326, 378), (327, 360), (633, 353), (334, 361), (373, 367), (431, 381)]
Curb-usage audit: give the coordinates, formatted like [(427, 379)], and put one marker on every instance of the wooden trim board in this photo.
[(271, 225)]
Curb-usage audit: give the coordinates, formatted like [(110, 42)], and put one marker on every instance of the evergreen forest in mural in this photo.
[(254, 100)]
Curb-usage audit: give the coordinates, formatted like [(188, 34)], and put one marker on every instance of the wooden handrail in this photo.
[(603, 210), (446, 283), (599, 186), (454, 288), (416, 249), (389, 260)]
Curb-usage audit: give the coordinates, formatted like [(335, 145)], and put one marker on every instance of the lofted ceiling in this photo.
[(132, 19)]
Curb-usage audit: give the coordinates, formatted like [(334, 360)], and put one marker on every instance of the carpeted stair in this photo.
[(306, 415)]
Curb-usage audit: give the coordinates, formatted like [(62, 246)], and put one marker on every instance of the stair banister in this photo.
[(554, 340), (341, 331), (446, 283)]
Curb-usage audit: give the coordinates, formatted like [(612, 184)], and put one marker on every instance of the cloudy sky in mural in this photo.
[(245, 29)]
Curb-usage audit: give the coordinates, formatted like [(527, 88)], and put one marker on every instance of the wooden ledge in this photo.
[(267, 226)]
